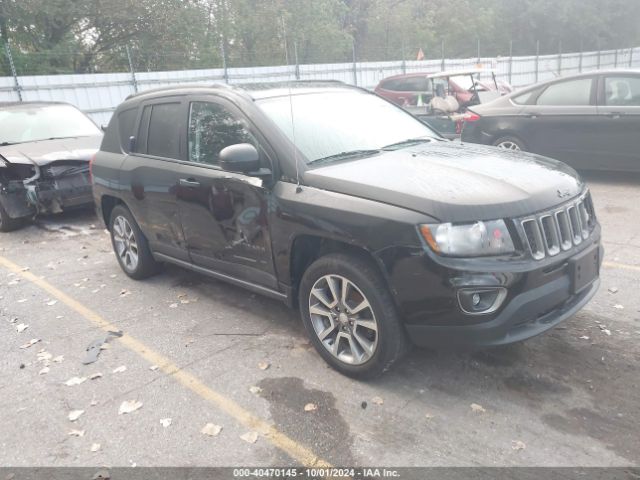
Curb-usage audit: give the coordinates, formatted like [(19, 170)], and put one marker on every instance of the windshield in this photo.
[(466, 82), (328, 124), (28, 124)]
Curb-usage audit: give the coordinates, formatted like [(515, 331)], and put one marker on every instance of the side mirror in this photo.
[(242, 157), (103, 127)]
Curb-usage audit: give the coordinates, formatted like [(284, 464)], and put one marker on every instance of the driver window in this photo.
[(212, 128), (622, 91), (572, 92)]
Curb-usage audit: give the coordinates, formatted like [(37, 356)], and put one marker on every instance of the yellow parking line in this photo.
[(622, 266), (292, 448)]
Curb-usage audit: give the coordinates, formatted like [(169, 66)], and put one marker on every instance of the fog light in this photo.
[(480, 301)]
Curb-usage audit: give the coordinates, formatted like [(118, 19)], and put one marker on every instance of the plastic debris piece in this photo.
[(124, 292), (255, 390), (95, 376), (584, 337), (310, 407), (120, 369), (52, 302), (618, 306), (477, 408), (263, 365), (22, 300), (429, 416), (211, 429), (250, 437), (44, 371), (377, 401), (21, 327), (94, 348), (518, 445), (75, 381), (613, 289), (153, 368), (75, 415), (58, 359), (30, 343), (95, 447), (165, 422), (94, 402), (76, 433), (129, 406)]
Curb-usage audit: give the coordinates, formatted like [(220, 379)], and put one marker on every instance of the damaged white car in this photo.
[(45, 151)]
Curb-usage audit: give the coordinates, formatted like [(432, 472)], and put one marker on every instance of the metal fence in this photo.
[(98, 94)]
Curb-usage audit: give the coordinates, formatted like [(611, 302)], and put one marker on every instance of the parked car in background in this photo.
[(590, 121), (45, 150), (377, 229), (408, 89)]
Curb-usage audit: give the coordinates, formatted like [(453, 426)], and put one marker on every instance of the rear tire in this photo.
[(358, 332), (130, 245), (510, 142), (8, 224)]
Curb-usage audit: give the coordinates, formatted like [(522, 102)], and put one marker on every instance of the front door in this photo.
[(224, 215), (619, 121)]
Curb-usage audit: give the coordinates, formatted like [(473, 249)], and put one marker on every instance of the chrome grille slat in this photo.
[(548, 233)]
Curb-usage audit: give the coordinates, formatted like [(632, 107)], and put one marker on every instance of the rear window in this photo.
[(126, 125), (411, 84), (163, 137)]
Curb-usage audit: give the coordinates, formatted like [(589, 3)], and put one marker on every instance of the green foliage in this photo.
[(66, 36)]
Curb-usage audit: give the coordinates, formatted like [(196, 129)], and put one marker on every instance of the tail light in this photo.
[(471, 117), (91, 160)]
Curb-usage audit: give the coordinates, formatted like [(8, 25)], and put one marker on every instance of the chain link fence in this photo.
[(98, 93)]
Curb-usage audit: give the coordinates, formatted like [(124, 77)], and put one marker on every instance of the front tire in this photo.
[(8, 224), (350, 316), (130, 245)]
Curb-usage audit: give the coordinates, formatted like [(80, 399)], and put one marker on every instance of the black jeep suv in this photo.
[(338, 202)]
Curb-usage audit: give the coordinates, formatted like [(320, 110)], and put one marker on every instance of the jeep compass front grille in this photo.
[(548, 233)]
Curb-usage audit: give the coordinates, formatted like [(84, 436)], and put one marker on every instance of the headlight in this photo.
[(468, 240)]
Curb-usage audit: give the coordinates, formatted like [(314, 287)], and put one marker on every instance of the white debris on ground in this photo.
[(211, 429), (250, 437), (129, 406)]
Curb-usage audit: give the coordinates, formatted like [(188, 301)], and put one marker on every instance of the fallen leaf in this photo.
[(165, 422), (30, 343), (477, 408), (377, 401), (75, 415), (211, 429), (44, 371), (75, 381), (250, 437), (93, 376), (21, 327), (310, 407), (263, 365), (120, 369), (153, 368), (95, 447), (76, 433), (518, 445), (255, 390), (129, 406)]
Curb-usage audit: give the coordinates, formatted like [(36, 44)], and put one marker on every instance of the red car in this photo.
[(405, 89)]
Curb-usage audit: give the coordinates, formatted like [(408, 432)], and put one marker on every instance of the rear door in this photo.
[(562, 121), (224, 214), (619, 122), (151, 173)]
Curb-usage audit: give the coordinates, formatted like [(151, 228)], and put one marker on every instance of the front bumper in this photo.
[(525, 316)]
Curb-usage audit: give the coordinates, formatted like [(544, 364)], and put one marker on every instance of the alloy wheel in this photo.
[(125, 243), (508, 145), (343, 319)]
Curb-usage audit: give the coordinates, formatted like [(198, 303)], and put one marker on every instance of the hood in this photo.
[(454, 182), (44, 152)]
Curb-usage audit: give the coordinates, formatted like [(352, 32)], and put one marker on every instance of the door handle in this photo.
[(532, 115), (189, 182), (614, 115)]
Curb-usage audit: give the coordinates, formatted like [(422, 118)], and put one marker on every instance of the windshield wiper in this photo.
[(345, 155), (406, 143)]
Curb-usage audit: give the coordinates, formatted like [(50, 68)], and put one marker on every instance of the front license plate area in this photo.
[(584, 268)]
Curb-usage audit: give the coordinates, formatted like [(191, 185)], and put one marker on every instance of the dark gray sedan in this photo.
[(45, 149), (590, 121)]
